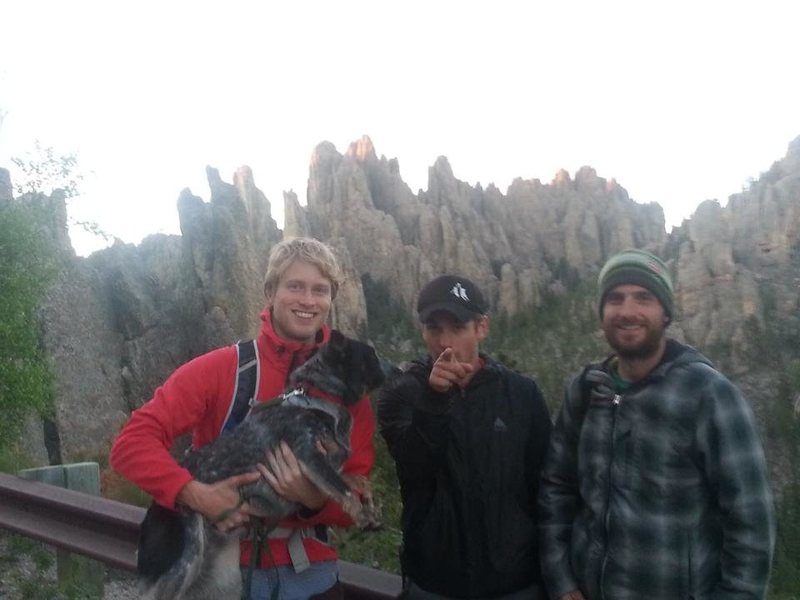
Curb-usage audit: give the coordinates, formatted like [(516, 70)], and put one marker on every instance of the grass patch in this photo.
[(377, 549)]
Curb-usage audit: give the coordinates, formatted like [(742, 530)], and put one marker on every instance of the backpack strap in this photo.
[(586, 391), (595, 385), (246, 387)]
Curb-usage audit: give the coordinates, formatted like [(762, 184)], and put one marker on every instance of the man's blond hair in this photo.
[(309, 250)]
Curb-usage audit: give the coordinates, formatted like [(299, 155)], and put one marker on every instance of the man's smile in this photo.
[(304, 314)]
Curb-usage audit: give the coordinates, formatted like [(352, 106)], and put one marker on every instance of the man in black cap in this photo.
[(655, 485), (468, 437)]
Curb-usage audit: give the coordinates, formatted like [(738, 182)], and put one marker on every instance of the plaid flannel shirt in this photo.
[(660, 492)]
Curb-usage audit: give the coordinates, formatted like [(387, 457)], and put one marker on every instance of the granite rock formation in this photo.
[(118, 322), (5, 186)]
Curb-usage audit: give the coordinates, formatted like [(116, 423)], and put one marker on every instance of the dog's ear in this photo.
[(337, 339), (336, 348), (364, 371), (375, 374)]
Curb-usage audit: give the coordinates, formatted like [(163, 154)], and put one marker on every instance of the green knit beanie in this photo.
[(637, 267)]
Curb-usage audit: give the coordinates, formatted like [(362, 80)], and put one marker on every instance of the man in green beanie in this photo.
[(655, 485)]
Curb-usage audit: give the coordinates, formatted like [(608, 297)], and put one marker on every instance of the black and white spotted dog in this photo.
[(182, 555)]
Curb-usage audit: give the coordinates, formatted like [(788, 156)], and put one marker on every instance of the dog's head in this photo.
[(335, 439), (332, 420), (343, 367)]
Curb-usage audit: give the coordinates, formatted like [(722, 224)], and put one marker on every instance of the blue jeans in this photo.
[(288, 585)]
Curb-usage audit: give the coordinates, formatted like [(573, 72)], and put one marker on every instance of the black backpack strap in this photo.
[(586, 396), (595, 385), (246, 386)]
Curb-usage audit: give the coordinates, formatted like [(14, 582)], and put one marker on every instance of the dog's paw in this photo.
[(370, 514), (352, 506)]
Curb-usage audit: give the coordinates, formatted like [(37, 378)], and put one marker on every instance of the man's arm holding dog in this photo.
[(142, 450), (282, 471), (219, 502), (287, 479)]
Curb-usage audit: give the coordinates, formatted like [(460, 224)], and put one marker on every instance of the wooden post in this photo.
[(75, 573)]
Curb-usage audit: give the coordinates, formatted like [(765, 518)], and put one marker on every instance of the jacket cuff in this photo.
[(167, 496)]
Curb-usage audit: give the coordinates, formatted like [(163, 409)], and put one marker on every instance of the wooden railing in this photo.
[(108, 531)]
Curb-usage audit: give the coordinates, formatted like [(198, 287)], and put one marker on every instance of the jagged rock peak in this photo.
[(789, 165), (325, 161), (212, 175), (562, 179), (586, 179), (323, 153), (362, 150), (791, 162), (217, 186), (243, 177), (521, 183), (245, 183), (295, 221), (612, 185), (441, 167), (794, 148)]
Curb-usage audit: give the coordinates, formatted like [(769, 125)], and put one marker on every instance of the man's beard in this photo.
[(646, 348)]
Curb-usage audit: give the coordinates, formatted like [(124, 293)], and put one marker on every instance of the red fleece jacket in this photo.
[(196, 398)]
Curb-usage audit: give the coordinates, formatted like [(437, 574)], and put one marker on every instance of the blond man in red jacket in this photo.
[(301, 283)]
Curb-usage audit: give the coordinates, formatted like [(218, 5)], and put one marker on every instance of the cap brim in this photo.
[(460, 313)]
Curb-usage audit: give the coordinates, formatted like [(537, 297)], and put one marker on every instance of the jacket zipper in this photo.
[(292, 367), (607, 517)]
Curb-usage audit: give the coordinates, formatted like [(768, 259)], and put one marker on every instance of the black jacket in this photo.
[(468, 464)]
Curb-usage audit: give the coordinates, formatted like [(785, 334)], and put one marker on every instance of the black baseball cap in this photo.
[(452, 294)]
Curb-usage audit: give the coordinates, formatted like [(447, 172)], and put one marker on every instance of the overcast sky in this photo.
[(678, 101)]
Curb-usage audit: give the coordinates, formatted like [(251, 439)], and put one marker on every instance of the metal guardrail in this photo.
[(96, 527), (108, 531)]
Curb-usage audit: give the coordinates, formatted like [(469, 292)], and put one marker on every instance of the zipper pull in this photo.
[(617, 399)]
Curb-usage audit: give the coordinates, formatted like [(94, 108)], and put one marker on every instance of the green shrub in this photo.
[(27, 267)]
